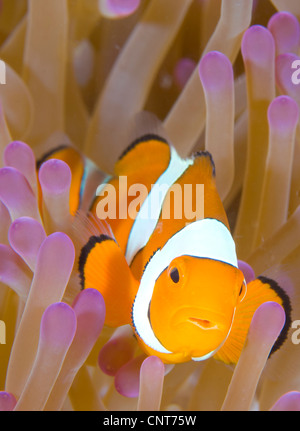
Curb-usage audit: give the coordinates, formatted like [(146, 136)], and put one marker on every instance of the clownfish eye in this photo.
[(174, 274)]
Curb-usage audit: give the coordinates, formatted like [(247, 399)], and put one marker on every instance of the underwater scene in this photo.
[(149, 206)]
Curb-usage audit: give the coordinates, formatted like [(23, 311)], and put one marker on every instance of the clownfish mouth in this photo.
[(203, 323), (203, 319)]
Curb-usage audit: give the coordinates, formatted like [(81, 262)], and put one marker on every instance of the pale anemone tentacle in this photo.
[(226, 39), (260, 73), (121, 79), (47, 84)]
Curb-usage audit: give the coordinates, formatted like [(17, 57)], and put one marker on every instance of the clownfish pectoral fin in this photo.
[(87, 224), (260, 290), (103, 266)]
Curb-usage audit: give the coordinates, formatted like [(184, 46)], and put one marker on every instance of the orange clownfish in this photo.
[(175, 280)]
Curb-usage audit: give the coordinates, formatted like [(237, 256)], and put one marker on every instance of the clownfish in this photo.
[(84, 175), (175, 280)]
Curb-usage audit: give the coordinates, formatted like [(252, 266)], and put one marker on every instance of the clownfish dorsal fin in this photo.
[(202, 171), (260, 290), (52, 153), (145, 123), (203, 161), (148, 146)]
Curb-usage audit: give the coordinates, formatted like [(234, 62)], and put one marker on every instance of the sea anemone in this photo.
[(221, 76)]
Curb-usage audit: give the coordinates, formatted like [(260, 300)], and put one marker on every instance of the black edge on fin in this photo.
[(85, 252), (49, 154), (146, 264), (286, 303), (206, 154), (140, 140), (132, 320)]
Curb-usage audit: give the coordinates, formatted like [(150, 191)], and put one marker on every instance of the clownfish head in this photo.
[(193, 304), (188, 293)]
